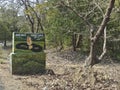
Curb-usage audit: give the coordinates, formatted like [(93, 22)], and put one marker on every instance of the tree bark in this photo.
[(104, 39), (105, 20), (104, 45), (5, 40), (74, 42)]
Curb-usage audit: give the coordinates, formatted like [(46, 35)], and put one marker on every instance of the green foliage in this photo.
[(9, 22), (60, 26), (113, 33), (62, 22), (113, 47), (28, 63), (4, 32)]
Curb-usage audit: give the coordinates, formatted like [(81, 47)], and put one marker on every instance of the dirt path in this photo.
[(9, 81), (37, 82), (1, 85), (69, 75)]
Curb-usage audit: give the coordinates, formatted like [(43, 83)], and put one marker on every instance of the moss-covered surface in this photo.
[(31, 63)]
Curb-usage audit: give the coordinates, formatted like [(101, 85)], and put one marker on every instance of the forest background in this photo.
[(66, 24)]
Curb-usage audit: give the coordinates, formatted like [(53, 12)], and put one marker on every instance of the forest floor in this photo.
[(70, 74)]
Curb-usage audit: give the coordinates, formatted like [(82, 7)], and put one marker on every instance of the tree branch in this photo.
[(105, 20), (78, 14), (31, 19), (104, 44)]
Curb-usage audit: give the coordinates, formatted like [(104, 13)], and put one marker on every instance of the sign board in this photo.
[(28, 43), (28, 55)]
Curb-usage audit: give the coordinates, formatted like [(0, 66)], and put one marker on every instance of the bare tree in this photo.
[(92, 58), (34, 16), (29, 17)]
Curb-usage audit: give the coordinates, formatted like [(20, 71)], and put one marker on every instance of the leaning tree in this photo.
[(95, 35), (92, 58)]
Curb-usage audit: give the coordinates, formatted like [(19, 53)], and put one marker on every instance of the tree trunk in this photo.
[(74, 42), (5, 40), (92, 59), (44, 41), (79, 41)]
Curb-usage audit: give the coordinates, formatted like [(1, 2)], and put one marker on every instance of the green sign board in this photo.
[(28, 43), (28, 53)]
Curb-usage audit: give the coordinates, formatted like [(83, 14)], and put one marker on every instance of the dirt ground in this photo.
[(69, 74)]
